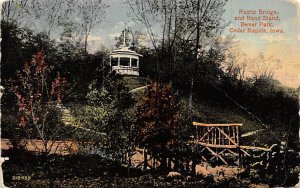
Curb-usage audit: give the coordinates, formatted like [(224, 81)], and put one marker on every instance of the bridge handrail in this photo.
[(217, 125)]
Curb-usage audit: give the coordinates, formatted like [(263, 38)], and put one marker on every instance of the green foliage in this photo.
[(277, 167), (264, 100), (67, 57), (149, 65), (117, 93), (38, 100), (81, 69), (17, 46), (133, 82), (9, 119), (108, 112)]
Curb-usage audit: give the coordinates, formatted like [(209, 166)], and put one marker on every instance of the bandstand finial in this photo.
[(124, 37)]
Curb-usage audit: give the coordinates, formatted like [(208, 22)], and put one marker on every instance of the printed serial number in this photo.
[(19, 178)]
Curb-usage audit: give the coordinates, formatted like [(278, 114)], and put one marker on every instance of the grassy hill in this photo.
[(208, 111), (133, 82)]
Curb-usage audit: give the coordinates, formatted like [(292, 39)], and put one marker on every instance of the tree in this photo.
[(108, 114), (157, 116), (18, 45), (51, 15), (151, 14), (177, 28), (120, 39), (38, 100), (131, 39), (91, 13), (14, 10)]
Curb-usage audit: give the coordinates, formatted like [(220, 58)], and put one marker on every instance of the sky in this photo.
[(116, 19), (282, 46)]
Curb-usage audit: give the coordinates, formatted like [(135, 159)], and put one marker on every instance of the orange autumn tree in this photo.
[(38, 97), (157, 116)]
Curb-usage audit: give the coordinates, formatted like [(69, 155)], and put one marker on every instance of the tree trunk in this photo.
[(85, 42), (145, 159), (196, 54)]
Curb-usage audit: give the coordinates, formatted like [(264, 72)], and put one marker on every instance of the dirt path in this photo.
[(58, 147)]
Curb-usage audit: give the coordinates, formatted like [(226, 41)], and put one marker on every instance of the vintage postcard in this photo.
[(150, 93)]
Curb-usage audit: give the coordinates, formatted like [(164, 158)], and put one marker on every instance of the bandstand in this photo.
[(124, 60)]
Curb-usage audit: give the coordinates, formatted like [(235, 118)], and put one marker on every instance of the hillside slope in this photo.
[(133, 82), (252, 132)]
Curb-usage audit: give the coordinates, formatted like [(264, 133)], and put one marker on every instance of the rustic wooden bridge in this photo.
[(212, 142), (222, 141)]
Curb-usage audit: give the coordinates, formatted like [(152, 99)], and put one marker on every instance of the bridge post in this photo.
[(238, 134)]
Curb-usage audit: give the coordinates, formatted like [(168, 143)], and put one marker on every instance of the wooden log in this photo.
[(215, 136), (246, 153), (204, 158), (255, 148), (223, 151), (216, 146), (219, 143), (216, 125), (232, 152), (238, 135), (232, 146), (212, 136), (208, 136), (234, 136), (204, 137), (220, 157), (226, 136), (223, 137)]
